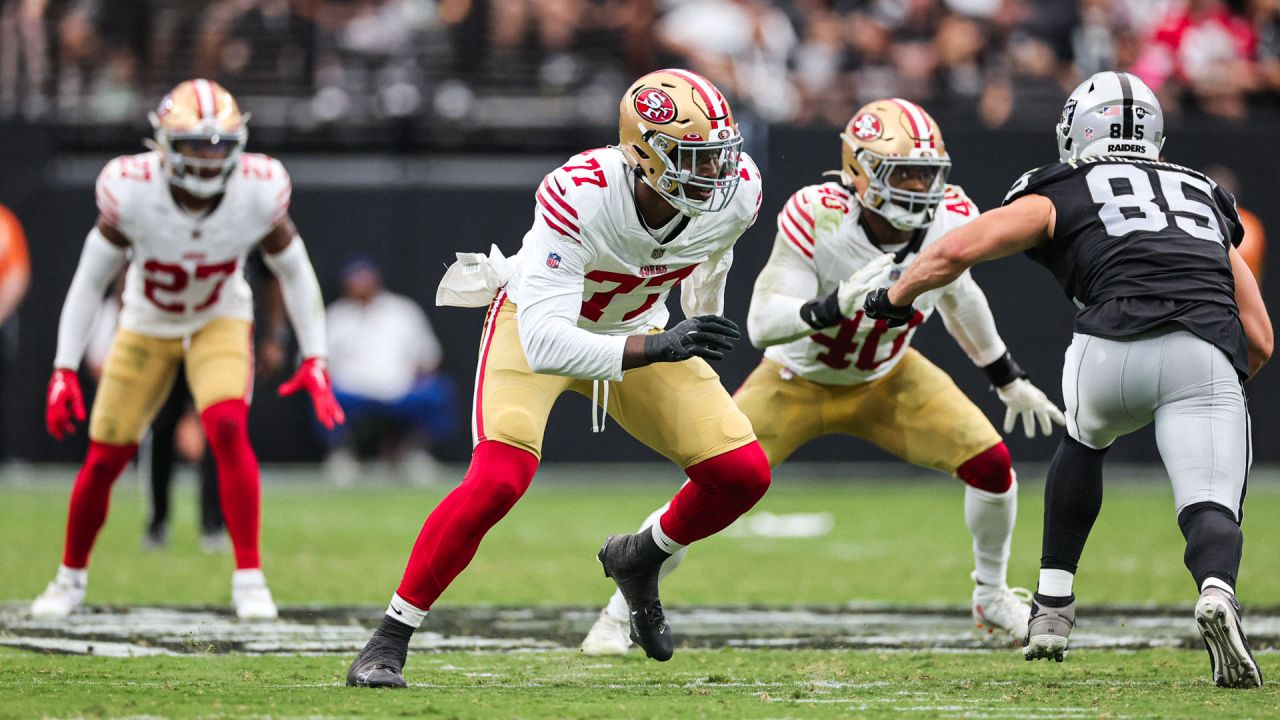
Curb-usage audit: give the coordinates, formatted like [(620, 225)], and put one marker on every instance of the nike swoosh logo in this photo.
[(396, 610)]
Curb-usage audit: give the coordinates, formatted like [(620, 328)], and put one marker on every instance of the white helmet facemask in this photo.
[(202, 160)]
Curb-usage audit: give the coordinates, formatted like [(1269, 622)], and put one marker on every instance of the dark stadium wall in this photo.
[(413, 231)]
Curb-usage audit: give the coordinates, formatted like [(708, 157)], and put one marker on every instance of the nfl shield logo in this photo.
[(553, 260)]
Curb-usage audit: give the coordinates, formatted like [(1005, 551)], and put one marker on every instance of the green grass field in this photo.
[(899, 542)]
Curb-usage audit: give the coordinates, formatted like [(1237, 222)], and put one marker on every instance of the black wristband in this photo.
[(1004, 371), (822, 314)]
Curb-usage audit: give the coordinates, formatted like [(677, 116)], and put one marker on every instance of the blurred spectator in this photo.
[(1201, 46), (15, 278), (383, 358)]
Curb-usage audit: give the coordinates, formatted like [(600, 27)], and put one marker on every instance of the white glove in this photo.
[(853, 291), (1023, 398)]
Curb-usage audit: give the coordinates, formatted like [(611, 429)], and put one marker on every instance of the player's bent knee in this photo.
[(990, 470), (501, 472), (226, 422), (743, 471)]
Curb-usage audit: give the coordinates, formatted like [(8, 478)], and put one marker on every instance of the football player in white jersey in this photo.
[(829, 370), (183, 217), (582, 308)]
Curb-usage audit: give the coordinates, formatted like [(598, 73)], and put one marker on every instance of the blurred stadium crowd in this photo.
[(438, 71)]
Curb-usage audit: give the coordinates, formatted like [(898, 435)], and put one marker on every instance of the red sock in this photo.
[(722, 489), (91, 497), (498, 476), (226, 425), (990, 470)]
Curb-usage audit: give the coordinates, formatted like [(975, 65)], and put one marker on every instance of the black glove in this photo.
[(706, 336), (878, 307)]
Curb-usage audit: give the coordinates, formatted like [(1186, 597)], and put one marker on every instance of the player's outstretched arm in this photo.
[(1013, 228), (1253, 314), (105, 253), (286, 256)]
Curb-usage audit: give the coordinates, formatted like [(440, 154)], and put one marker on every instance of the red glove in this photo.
[(313, 376), (65, 403)]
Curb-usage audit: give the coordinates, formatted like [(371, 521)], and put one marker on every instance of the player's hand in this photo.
[(853, 289), (704, 336), (313, 376), (64, 405), (1022, 399)]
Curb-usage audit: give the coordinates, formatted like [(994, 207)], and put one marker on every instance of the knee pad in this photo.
[(743, 471), (226, 422), (501, 472), (990, 470)]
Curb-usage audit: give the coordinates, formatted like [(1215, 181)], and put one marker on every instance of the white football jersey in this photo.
[(820, 225), (587, 234), (186, 270)]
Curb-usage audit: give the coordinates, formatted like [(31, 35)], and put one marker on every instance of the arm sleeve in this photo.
[(703, 294), (967, 316), (786, 283), (302, 298), (547, 314), (100, 262)]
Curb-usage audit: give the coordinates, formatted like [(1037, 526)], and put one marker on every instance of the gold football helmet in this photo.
[(677, 129), (200, 133), (896, 161)]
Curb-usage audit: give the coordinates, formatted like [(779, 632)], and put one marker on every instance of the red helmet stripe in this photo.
[(204, 99), (921, 129), (716, 105)]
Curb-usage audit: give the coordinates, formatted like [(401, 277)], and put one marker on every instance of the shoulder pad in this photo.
[(271, 186), (121, 180), (1033, 180), (956, 202), (569, 196)]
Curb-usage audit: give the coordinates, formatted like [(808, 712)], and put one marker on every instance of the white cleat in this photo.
[(63, 596), (1218, 615), (251, 597), (1001, 609), (609, 636)]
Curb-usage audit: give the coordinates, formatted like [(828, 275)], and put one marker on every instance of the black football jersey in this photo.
[(1141, 245)]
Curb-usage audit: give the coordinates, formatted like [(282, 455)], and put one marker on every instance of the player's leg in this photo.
[(160, 475), (219, 372), (682, 411), (135, 379), (785, 413), (917, 413), (1109, 389), (1202, 429), (509, 415)]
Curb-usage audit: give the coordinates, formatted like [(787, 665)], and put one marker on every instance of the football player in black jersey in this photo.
[(1170, 324)]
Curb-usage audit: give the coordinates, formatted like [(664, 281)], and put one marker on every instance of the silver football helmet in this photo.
[(1111, 113)]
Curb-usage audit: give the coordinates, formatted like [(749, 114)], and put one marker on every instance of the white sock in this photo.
[(1055, 583), (669, 546), (1215, 582), (248, 576), (72, 576), (402, 611), (990, 517)]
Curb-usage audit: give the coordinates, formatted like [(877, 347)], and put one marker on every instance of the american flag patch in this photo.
[(553, 260)]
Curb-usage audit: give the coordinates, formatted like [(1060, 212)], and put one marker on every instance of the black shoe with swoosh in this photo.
[(633, 562), (379, 665)]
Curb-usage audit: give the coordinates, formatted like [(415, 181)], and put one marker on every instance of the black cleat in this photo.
[(634, 566), (379, 665)]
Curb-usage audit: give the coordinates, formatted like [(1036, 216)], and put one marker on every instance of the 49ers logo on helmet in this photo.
[(866, 127), (655, 106)]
